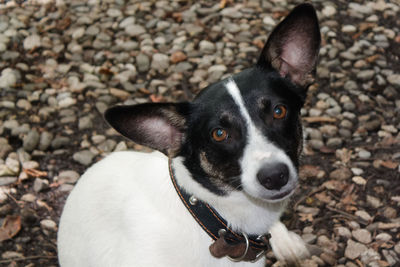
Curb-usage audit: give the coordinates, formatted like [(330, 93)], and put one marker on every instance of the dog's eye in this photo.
[(219, 135), (280, 112)]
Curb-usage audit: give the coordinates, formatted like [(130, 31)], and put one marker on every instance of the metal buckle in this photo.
[(262, 253)]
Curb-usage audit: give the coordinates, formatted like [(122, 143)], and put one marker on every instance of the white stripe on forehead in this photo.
[(234, 91)]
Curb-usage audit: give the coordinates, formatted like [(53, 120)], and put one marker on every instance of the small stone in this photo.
[(7, 78), (364, 154), (177, 57), (28, 198), (349, 29), (309, 238), (142, 62), (385, 237), (394, 80), (69, 177), (84, 157), (134, 30), (30, 164), (390, 213), (85, 123), (206, 47), (32, 41), (325, 242), (49, 225), (370, 256), (359, 180), (373, 201), (354, 249), (120, 94), (40, 185), (366, 75), (329, 11), (31, 140), (160, 62), (112, 12), (45, 140), (7, 180), (24, 104), (60, 141), (362, 235), (78, 33), (11, 255), (343, 231)]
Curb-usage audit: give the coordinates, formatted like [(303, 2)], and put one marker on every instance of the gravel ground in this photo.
[(62, 63)]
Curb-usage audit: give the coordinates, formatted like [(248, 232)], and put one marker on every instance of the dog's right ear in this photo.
[(160, 126)]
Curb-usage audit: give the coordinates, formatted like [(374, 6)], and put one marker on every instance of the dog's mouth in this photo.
[(281, 195)]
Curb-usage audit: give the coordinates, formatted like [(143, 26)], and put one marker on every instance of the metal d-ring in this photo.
[(262, 253), (246, 238)]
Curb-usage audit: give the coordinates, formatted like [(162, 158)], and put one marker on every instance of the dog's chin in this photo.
[(272, 196)]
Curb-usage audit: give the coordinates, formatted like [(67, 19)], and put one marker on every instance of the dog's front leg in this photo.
[(287, 246)]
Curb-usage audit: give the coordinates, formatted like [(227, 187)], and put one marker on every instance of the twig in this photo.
[(29, 258), (347, 215)]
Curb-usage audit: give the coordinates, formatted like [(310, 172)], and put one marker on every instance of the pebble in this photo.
[(354, 249), (84, 157), (32, 41), (40, 185), (7, 78), (31, 140), (206, 47), (49, 225), (69, 177), (85, 123), (374, 201), (363, 215), (160, 62), (134, 30), (362, 235)]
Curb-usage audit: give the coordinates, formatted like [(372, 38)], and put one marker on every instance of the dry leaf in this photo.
[(389, 164), (334, 185), (11, 226), (323, 197), (222, 4)]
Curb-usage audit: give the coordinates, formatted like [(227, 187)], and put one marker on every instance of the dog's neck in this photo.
[(242, 212)]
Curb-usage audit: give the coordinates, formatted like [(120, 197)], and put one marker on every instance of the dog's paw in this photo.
[(287, 246)]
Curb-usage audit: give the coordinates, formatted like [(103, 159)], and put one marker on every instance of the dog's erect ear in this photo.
[(293, 46), (160, 126)]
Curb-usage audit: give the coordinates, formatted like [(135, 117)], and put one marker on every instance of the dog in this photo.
[(226, 165)]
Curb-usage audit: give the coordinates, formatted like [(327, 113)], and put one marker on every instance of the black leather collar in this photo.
[(216, 226)]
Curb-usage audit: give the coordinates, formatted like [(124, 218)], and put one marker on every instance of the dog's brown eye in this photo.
[(280, 112), (219, 134)]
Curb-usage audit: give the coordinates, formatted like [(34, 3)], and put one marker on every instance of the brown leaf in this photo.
[(389, 164), (310, 171), (11, 226), (222, 3), (155, 98), (258, 43), (323, 197), (334, 185)]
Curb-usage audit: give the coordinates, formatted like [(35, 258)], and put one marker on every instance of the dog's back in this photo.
[(112, 215)]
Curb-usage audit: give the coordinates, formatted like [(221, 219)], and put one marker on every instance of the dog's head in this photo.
[(242, 133)]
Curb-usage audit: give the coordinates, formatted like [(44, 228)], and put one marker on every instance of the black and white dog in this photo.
[(230, 157)]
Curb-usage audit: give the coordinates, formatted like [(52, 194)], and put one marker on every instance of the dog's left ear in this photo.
[(293, 46), (160, 126)]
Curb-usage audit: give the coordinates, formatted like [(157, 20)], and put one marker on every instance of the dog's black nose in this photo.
[(273, 176)]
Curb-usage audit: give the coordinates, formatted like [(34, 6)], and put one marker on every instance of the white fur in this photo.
[(124, 211), (258, 152)]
